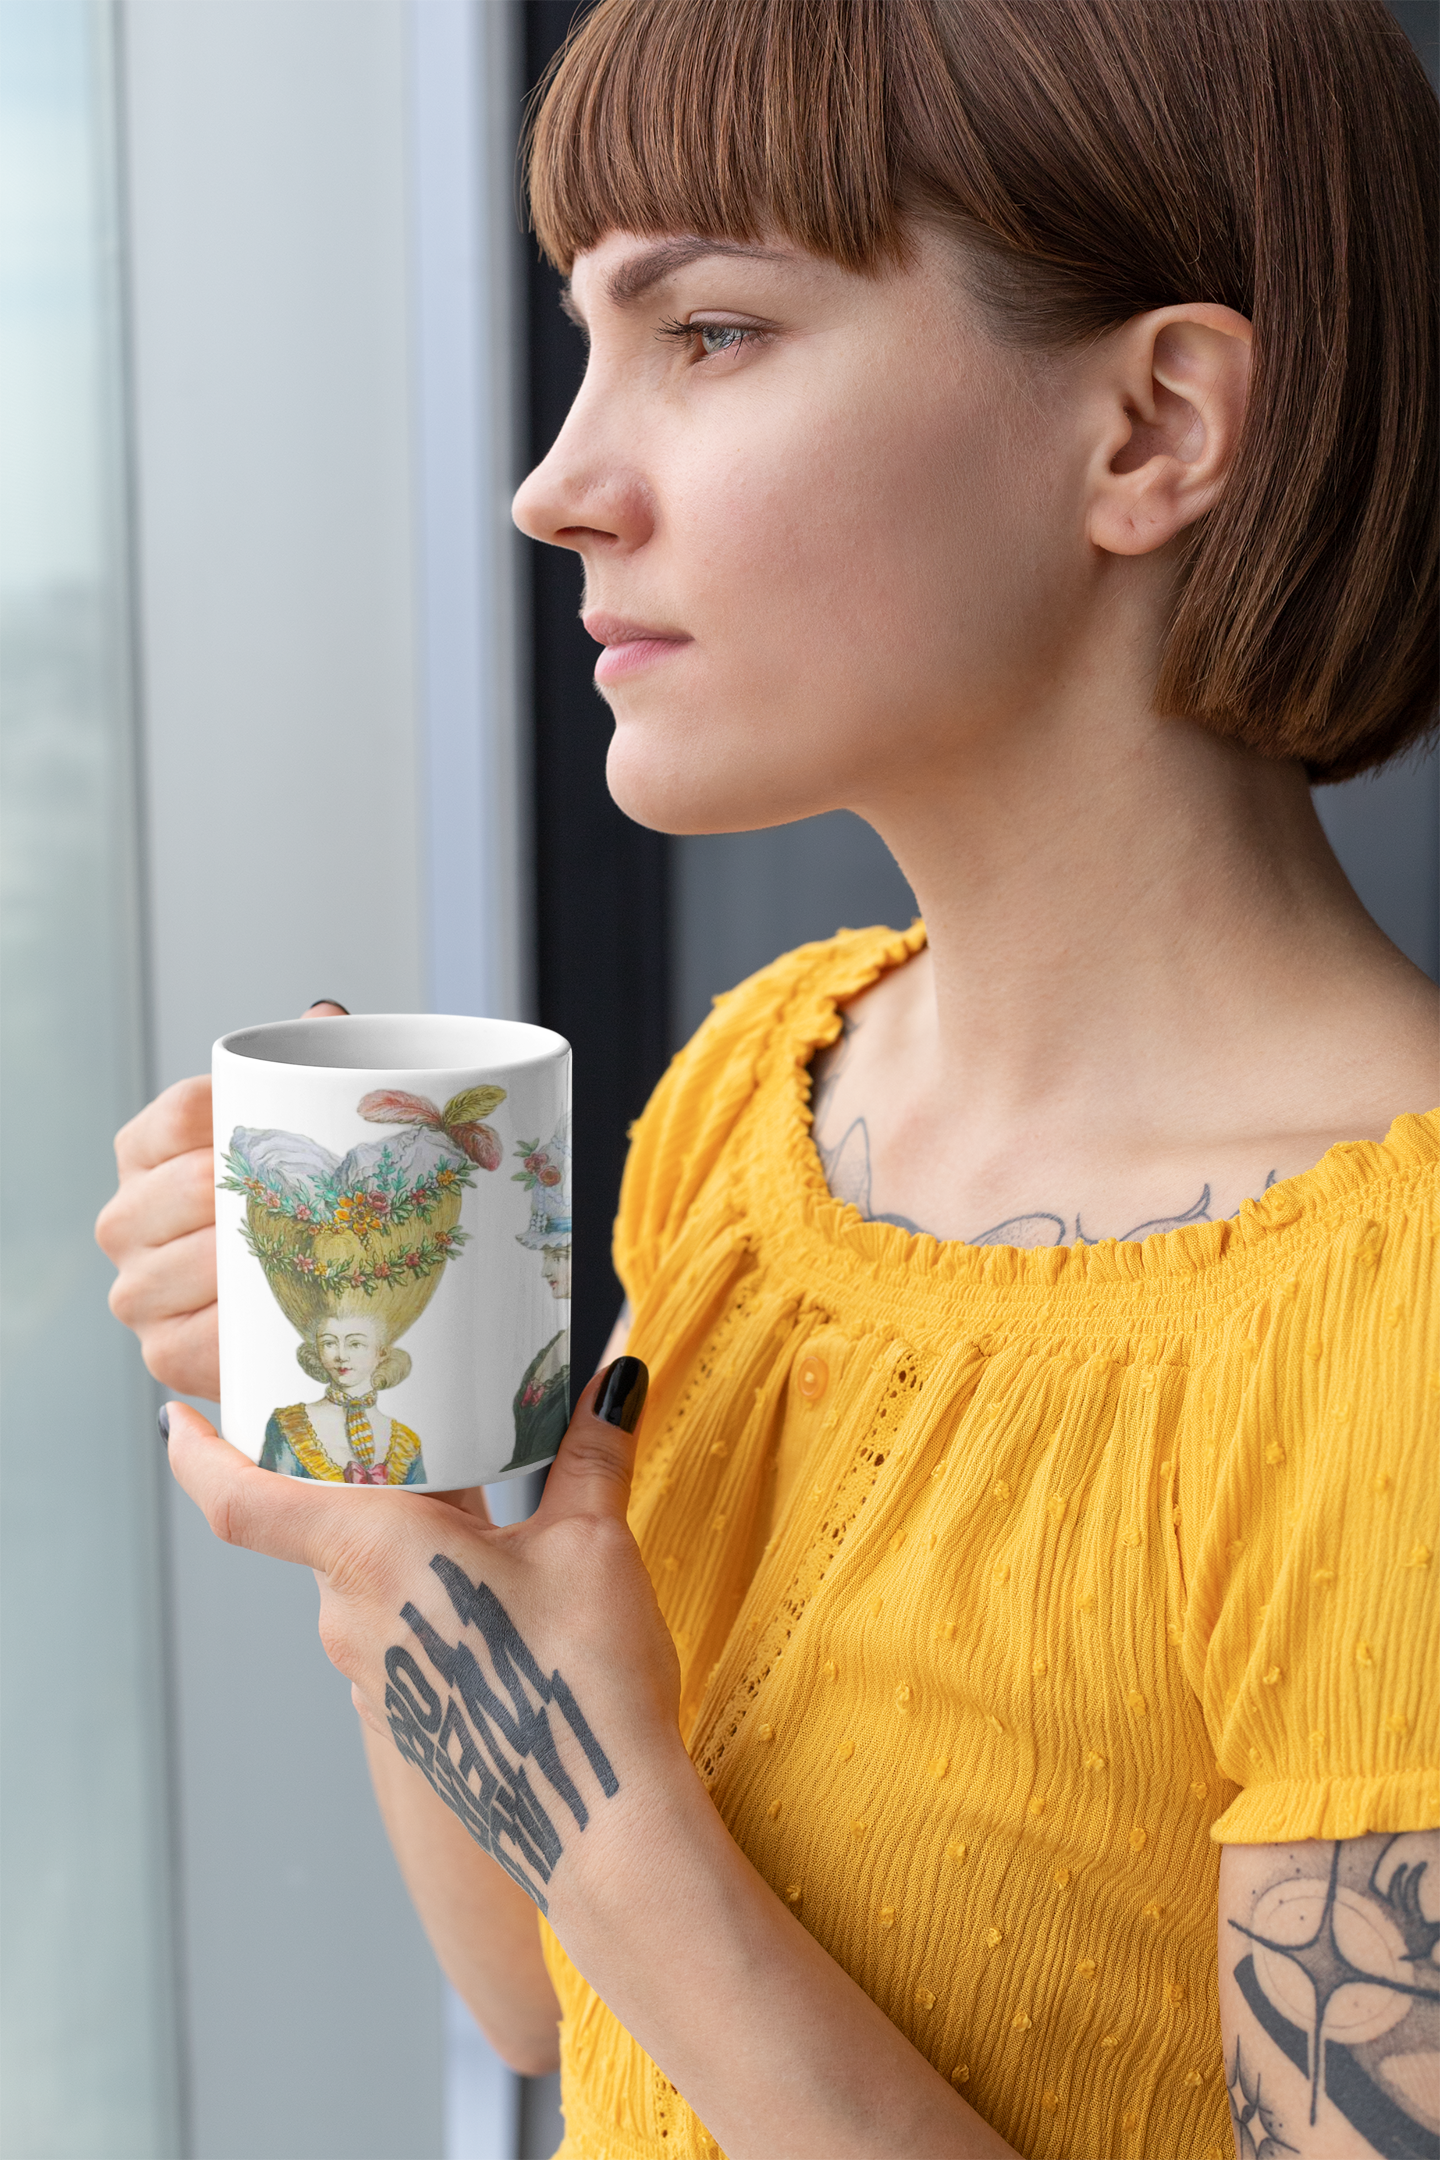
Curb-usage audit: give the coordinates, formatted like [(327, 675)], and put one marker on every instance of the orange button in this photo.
[(812, 1377)]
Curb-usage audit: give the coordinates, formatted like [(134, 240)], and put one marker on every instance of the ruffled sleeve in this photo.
[(1313, 1633), (679, 1136)]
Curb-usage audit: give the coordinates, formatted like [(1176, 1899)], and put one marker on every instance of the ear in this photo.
[(1173, 386)]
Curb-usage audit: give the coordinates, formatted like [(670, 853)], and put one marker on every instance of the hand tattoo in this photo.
[(473, 1746), (846, 1164), (1342, 1979)]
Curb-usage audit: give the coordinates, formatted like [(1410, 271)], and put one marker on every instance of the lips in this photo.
[(630, 646)]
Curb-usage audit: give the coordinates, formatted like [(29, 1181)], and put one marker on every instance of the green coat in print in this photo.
[(542, 1403)]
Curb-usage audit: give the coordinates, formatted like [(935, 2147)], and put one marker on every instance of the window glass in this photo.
[(89, 2059)]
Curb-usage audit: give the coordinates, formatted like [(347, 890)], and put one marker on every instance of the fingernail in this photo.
[(328, 1001), (163, 1421), (622, 1393)]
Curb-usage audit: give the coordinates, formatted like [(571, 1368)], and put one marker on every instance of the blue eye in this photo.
[(714, 338), (719, 337)]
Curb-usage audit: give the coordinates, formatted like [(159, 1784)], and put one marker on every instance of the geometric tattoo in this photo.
[(474, 1745), (1249, 2116), (1342, 1978)]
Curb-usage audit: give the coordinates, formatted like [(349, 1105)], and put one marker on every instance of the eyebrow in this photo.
[(641, 272)]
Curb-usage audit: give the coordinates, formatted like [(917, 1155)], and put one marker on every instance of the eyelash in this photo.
[(689, 332)]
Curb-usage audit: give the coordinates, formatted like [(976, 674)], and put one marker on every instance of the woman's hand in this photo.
[(159, 1229), (525, 1671), (528, 1674)]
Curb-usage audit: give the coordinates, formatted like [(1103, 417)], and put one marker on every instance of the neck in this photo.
[(1114, 903)]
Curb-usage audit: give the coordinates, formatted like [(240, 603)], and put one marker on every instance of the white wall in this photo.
[(467, 302), (270, 298)]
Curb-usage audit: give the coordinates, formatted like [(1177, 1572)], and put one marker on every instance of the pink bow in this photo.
[(357, 1474)]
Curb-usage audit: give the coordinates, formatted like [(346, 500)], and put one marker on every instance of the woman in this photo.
[(343, 1438), (1017, 425), (542, 1400)]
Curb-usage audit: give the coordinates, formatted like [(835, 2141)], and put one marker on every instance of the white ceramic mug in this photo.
[(392, 1225)]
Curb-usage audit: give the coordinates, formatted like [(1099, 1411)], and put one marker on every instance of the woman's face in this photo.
[(555, 1267), (831, 529), (350, 1349)]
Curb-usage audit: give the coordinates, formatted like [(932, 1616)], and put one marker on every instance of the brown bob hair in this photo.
[(1101, 158)]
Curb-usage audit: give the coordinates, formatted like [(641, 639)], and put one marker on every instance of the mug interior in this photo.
[(396, 1042)]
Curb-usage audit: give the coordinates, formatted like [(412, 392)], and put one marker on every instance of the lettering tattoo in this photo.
[(1339, 1976), (474, 1739), (846, 1163)]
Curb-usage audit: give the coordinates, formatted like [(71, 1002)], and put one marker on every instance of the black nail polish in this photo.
[(163, 1421), (330, 1001), (622, 1393)]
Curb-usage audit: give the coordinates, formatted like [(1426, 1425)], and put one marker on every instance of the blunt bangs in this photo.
[(1099, 159), (724, 118)]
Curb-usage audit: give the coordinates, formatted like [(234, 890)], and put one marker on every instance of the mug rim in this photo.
[(515, 1044)]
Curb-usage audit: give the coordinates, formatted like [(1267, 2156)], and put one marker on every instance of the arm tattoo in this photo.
[(1339, 1972), (1256, 2126), (473, 1743), (846, 1164)]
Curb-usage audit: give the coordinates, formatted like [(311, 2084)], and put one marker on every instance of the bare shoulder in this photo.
[(1386, 1012), (1330, 1997), (1364, 1053)]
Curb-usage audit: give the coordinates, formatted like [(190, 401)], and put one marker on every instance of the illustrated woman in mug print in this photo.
[(343, 1431), (352, 1250), (542, 1400)]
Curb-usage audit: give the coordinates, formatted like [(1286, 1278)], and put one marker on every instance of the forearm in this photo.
[(770, 2041), (528, 1674), (482, 1926)]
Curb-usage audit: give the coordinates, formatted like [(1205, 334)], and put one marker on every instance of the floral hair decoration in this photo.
[(370, 1231)]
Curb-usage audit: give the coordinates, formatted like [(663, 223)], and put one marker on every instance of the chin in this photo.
[(683, 776)]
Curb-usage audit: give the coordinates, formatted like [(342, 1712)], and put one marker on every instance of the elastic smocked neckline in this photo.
[(1412, 1144)]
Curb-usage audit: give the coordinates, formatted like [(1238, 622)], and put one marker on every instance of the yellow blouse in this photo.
[(1089, 1560)]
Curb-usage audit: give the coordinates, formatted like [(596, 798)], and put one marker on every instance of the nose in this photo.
[(586, 493)]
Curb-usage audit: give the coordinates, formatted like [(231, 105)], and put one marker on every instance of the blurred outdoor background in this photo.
[(289, 711)]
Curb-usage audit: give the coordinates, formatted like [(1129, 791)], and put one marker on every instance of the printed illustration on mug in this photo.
[(353, 1248), (542, 1400)]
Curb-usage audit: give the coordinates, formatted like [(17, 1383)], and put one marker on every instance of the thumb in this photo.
[(289, 1518), (591, 1473)]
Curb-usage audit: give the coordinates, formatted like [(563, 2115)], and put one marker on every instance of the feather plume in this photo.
[(392, 1106)]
